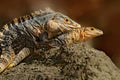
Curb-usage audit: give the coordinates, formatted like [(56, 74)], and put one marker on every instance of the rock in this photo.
[(73, 62)]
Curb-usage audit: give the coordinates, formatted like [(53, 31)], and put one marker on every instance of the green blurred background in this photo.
[(103, 14)]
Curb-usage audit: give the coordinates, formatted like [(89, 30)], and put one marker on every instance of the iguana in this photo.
[(29, 29), (77, 35)]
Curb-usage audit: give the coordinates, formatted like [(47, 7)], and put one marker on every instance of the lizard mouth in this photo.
[(75, 26), (72, 27)]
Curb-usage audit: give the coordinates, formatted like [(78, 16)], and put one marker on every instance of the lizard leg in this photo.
[(6, 58), (65, 39), (19, 57)]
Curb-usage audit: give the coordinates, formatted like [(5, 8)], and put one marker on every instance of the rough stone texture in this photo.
[(73, 62)]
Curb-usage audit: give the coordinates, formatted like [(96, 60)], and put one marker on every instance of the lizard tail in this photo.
[(19, 57), (3, 64), (5, 59)]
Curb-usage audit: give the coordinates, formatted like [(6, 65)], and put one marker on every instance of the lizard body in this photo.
[(77, 35), (25, 30)]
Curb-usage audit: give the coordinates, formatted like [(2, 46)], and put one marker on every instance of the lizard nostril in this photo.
[(77, 25)]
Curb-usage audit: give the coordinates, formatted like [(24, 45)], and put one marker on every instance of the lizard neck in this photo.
[(39, 22)]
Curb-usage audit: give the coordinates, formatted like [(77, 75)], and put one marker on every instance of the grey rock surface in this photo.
[(72, 62)]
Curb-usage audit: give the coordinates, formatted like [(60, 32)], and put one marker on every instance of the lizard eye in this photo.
[(92, 29), (67, 20)]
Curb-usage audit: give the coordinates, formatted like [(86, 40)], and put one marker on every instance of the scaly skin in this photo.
[(20, 56), (78, 35), (21, 32)]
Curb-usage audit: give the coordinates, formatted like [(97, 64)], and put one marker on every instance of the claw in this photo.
[(11, 65)]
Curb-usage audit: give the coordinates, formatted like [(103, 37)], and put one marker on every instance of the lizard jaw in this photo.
[(75, 26), (69, 28)]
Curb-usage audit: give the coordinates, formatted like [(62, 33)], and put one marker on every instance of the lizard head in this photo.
[(54, 23), (61, 23), (90, 32)]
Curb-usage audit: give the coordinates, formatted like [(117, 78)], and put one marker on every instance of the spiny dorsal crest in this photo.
[(27, 17), (40, 12)]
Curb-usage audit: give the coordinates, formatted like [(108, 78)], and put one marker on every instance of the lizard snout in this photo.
[(77, 26)]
